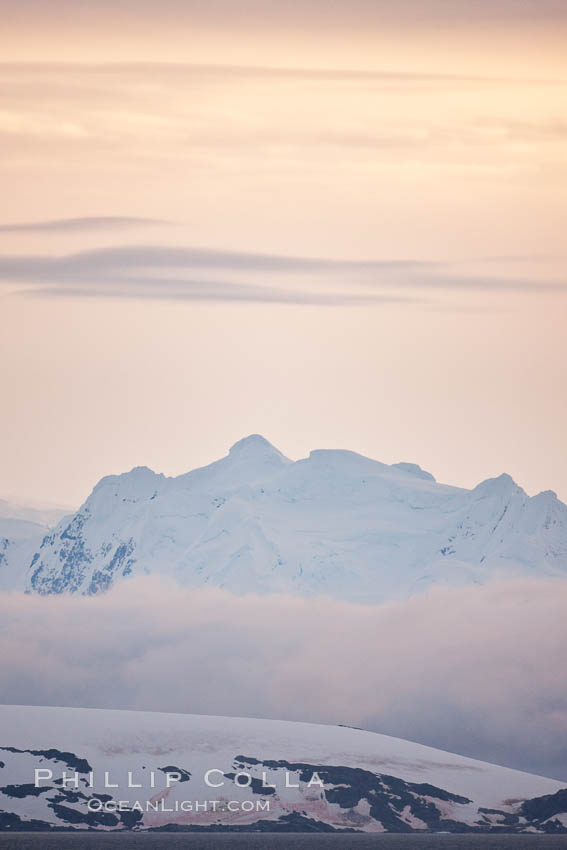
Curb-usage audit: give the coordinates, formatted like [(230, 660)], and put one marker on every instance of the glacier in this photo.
[(108, 770), (334, 524)]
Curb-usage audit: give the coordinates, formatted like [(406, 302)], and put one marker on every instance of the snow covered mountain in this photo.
[(335, 523), (76, 768), (45, 515), (22, 529)]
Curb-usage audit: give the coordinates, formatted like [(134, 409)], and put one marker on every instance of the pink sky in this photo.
[(431, 140)]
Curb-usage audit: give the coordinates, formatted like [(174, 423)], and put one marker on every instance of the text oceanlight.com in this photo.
[(172, 806)]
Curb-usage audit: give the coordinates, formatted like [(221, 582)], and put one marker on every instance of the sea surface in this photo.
[(293, 841)]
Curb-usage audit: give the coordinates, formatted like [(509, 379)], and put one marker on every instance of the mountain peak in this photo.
[(501, 484), (253, 445)]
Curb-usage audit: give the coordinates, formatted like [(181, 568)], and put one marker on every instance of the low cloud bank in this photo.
[(477, 670)]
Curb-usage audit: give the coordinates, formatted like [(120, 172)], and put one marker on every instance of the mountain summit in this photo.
[(254, 446), (335, 523)]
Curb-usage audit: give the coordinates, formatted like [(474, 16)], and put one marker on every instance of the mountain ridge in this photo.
[(334, 523)]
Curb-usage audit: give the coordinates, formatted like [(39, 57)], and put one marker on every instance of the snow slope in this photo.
[(37, 513), (22, 529), (363, 780), (335, 523)]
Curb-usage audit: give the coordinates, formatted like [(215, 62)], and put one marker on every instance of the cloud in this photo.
[(66, 225), (130, 271), (123, 272), (215, 72), (351, 14), (494, 284), (477, 670), (125, 257), (222, 292), (120, 119)]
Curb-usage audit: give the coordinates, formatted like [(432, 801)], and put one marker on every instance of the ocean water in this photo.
[(293, 841)]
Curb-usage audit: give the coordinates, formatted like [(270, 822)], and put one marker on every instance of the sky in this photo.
[(338, 224)]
